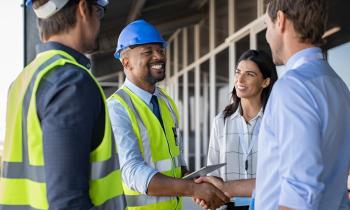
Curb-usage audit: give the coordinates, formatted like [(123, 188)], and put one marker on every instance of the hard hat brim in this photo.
[(102, 3), (117, 54), (29, 3)]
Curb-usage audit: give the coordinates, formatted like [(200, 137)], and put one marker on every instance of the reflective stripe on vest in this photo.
[(168, 166), (143, 200), (22, 181), (13, 170), (118, 202)]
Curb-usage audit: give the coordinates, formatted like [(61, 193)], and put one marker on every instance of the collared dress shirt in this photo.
[(136, 173), (304, 140)]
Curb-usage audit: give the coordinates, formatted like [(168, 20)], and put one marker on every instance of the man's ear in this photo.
[(82, 10), (125, 62), (281, 20)]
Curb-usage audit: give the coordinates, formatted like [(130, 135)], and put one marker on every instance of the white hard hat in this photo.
[(53, 6)]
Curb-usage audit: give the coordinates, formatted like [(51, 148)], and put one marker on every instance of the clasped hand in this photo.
[(210, 192)]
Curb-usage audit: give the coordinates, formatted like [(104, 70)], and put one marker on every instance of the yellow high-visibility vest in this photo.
[(22, 181), (163, 152)]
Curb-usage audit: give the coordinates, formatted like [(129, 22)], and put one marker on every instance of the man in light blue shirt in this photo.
[(304, 142)]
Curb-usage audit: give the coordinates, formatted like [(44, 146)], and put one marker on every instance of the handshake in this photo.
[(210, 192), (207, 191)]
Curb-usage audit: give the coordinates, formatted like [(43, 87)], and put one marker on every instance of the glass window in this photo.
[(191, 117), (204, 32), (180, 50), (222, 91), (242, 45), (205, 102), (190, 42), (174, 56), (221, 21), (338, 58), (246, 11), (171, 56), (181, 100)]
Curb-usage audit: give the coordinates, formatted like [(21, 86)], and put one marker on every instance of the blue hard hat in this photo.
[(137, 33), (29, 3), (102, 3)]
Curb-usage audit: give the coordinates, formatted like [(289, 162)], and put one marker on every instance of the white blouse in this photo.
[(234, 141)]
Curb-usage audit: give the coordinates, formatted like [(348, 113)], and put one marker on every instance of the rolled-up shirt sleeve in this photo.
[(298, 132), (136, 174)]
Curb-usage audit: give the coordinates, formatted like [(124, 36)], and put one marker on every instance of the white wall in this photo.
[(338, 58), (11, 53)]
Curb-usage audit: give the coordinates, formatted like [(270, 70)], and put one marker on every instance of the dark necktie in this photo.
[(156, 110)]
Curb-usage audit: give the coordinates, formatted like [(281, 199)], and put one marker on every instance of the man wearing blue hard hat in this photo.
[(59, 153), (145, 122)]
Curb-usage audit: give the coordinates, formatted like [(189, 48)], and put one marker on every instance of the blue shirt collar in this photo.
[(144, 95), (302, 53), (79, 57)]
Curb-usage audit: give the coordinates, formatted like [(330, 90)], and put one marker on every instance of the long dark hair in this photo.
[(267, 69)]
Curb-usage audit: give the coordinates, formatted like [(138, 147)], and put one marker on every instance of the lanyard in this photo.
[(244, 142), (223, 146), (307, 58)]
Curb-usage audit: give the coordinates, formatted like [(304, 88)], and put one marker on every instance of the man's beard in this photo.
[(276, 57), (277, 61), (151, 79), (94, 47)]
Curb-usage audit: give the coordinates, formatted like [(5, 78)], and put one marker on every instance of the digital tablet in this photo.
[(203, 171)]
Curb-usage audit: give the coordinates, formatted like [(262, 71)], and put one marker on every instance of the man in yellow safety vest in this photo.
[(145, 122), (59, 152)]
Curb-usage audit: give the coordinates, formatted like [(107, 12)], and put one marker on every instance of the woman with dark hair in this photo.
[(235, 131)]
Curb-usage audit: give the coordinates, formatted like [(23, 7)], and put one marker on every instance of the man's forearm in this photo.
[(161, 185), (243, 187)]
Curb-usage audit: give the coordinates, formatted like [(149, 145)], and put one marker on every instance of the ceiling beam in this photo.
[(166, 27), (197, 4), (170, 26), (135, 10), (160, 6)]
